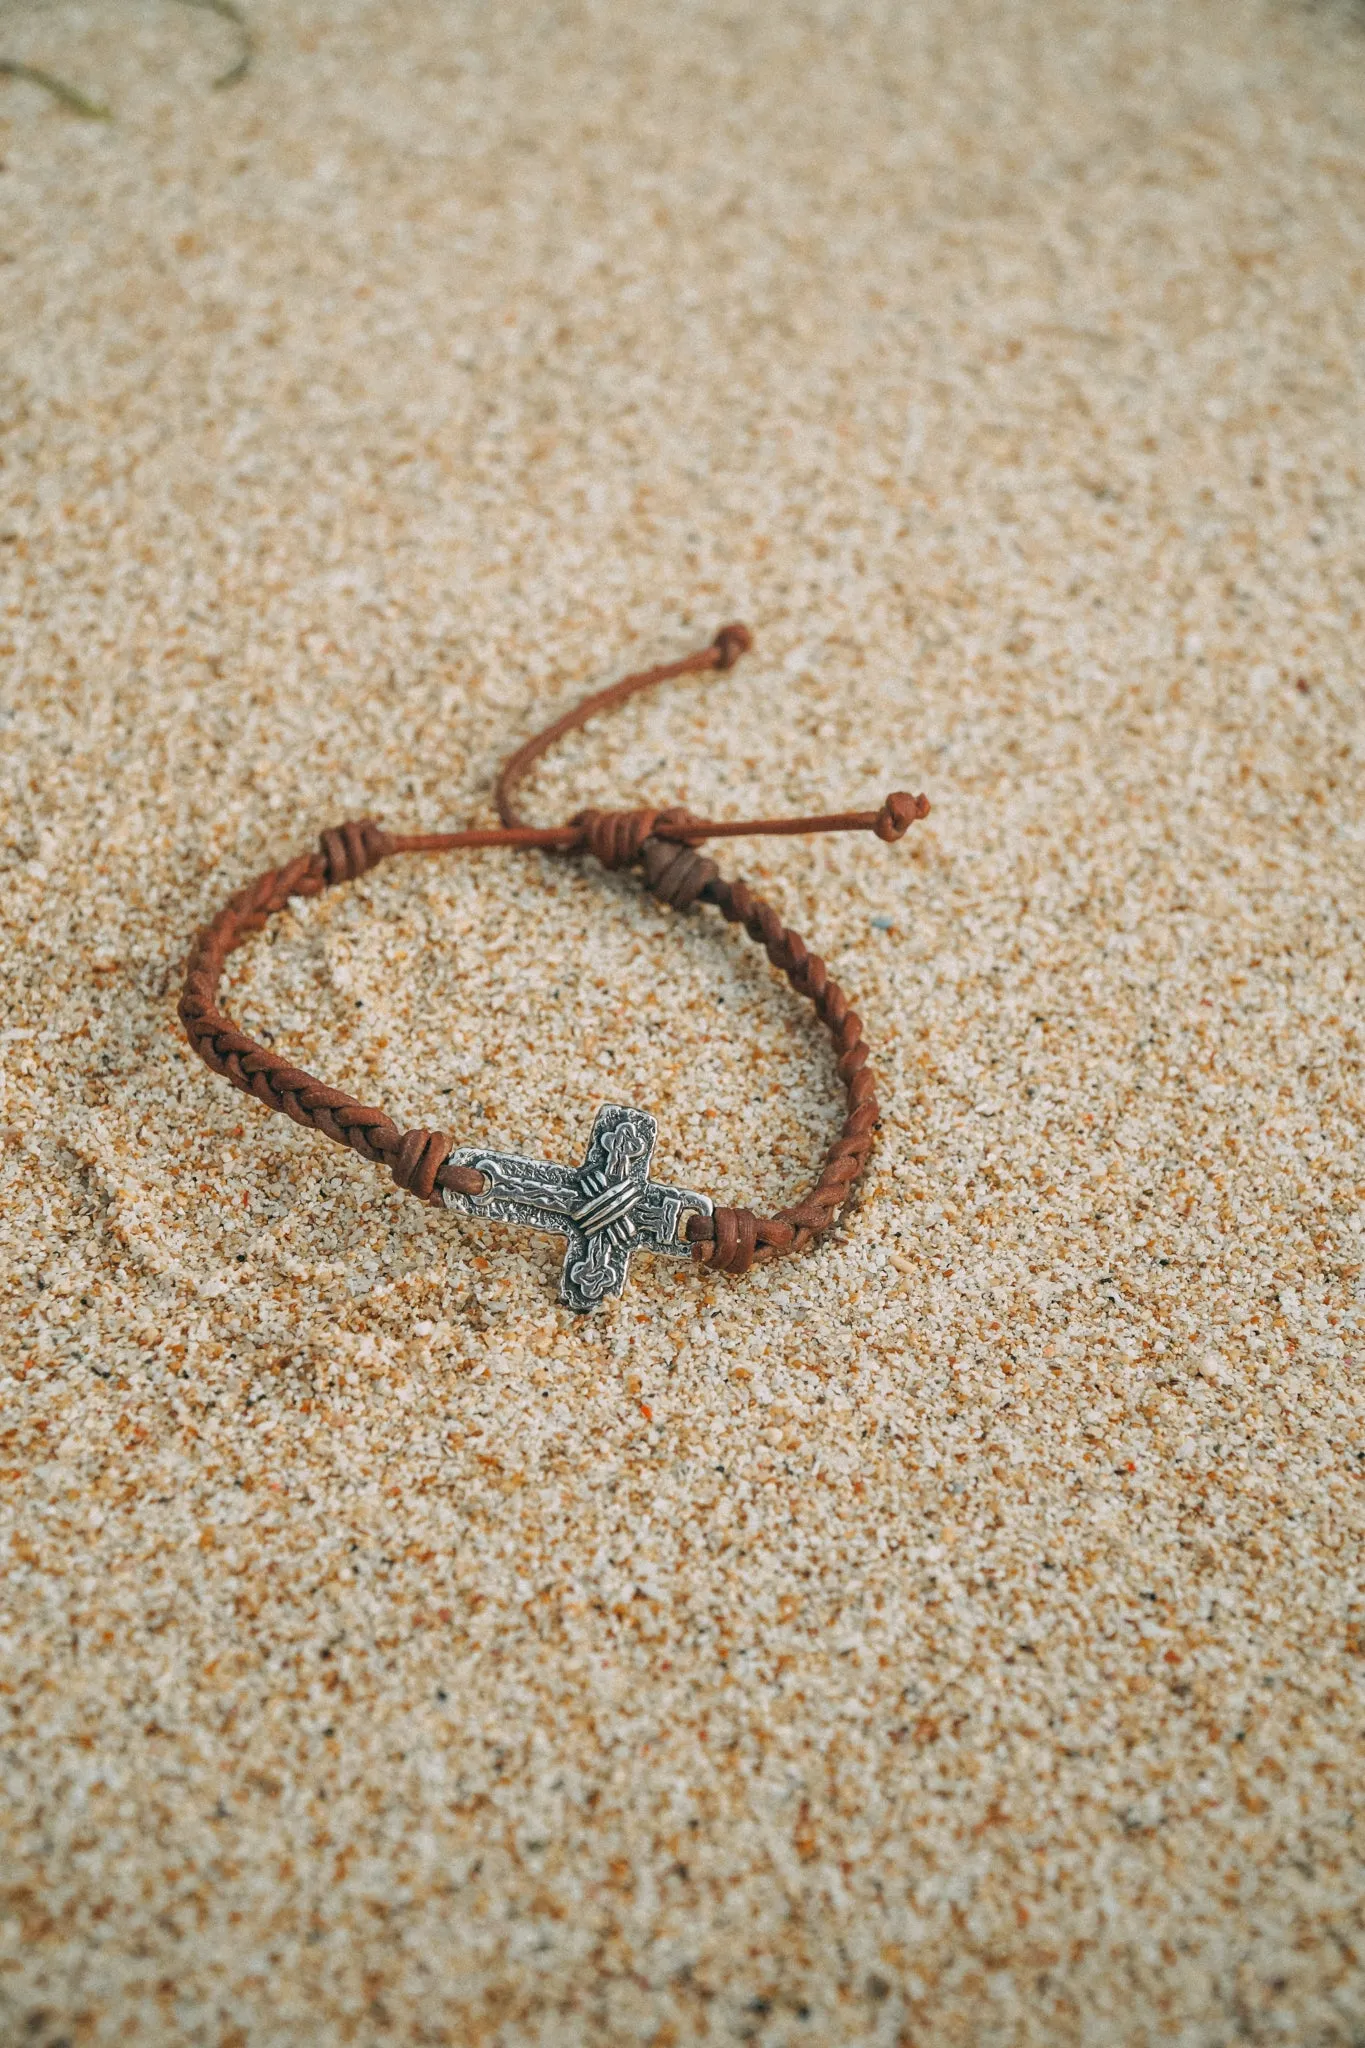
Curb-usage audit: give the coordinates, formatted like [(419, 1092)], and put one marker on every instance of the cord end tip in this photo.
[(730, 643), (898, 814)]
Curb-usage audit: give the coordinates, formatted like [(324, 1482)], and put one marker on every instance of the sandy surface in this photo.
[(956, 1635)]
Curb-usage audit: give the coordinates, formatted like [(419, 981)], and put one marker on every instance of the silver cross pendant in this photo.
[(608, 1208)]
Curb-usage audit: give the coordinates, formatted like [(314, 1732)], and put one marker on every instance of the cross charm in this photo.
[(608, 1208)]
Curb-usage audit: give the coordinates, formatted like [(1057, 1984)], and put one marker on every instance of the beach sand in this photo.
[(955, 1635)]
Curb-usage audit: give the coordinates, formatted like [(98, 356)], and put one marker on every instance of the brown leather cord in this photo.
[(724, 651), (413, 1157), (664, 845)]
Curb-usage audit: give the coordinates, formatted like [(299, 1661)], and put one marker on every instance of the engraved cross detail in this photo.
[(608, 1208)]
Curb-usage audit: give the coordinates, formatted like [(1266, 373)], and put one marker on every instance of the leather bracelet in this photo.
[(608, 1208)]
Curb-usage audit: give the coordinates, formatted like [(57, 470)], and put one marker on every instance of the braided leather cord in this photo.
[(415, 1158), (732, 1240), (663, 844)]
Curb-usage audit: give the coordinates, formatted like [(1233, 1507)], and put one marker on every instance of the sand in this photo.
[(955, 1635)]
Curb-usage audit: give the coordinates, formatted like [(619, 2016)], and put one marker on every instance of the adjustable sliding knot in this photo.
[(614, 837), (617, 838), (351, 850), (676, 873)]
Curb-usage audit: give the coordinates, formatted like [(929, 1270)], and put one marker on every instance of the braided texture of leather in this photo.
[(732, 1240), (414, 1158)]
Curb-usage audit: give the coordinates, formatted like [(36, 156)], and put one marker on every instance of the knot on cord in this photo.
[(418, 1160), (616, 837), (730, 643), (726, 1241), (351, 850), (898, 814), (676, 874)]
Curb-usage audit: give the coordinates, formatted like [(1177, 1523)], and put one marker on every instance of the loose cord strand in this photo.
[(725, 650), (616, 836)]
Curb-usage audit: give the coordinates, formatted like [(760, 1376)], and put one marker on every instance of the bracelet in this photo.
[(608, 1208)]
